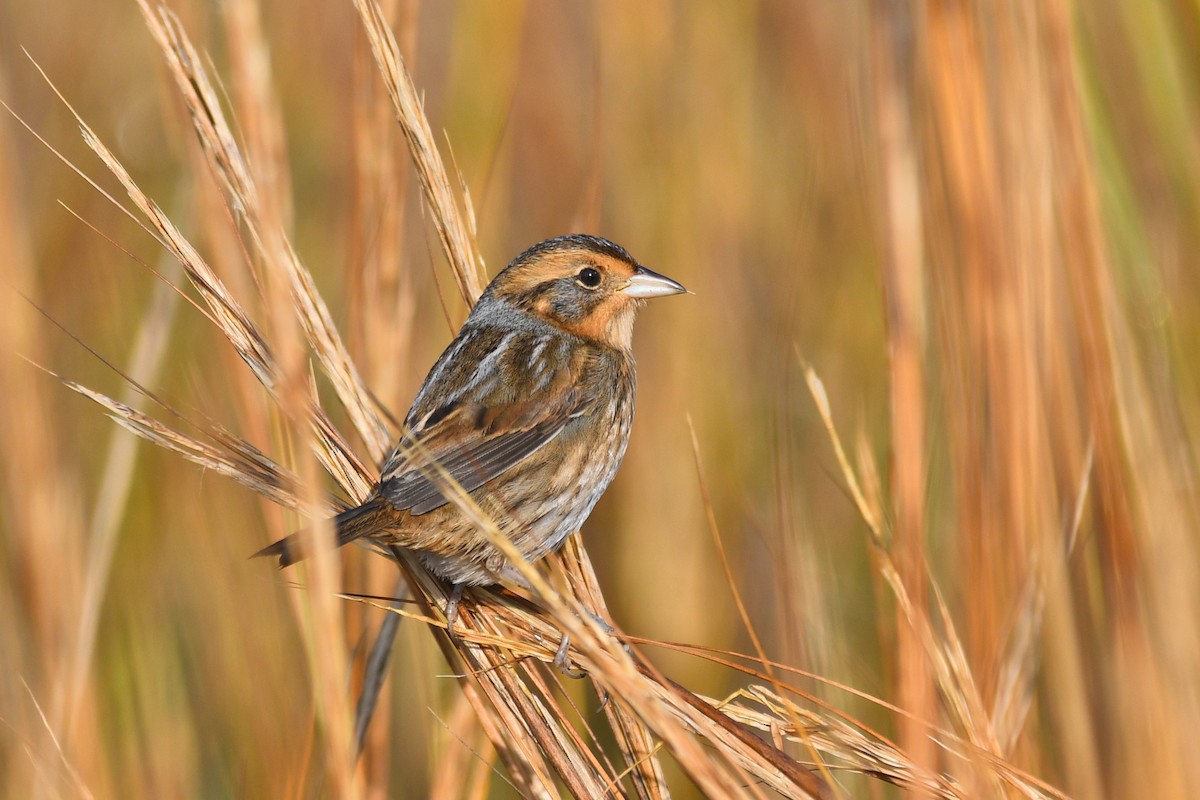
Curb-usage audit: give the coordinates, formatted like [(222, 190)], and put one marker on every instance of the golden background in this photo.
[(975, 221)]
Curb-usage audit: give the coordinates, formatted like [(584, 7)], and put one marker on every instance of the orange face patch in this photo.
[(556, 287), (610, 322)]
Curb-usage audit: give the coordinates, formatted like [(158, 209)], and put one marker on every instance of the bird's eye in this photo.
[(589, 277)]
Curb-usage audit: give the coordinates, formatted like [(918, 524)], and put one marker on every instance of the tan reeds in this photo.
[(1020, 493)]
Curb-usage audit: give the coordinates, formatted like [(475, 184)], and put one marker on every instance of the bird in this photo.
[(528, 410)]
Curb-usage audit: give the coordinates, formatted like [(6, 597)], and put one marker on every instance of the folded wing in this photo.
[(482, 432)]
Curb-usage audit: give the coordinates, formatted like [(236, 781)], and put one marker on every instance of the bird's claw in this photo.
[(562, 659), (452, 603)]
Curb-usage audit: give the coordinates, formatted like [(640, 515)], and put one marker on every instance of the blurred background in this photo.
[(975, 221)]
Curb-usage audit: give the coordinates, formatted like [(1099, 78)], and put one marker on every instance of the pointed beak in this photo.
[(648, 283)]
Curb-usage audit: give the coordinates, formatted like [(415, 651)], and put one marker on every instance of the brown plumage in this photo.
[(528, 409)]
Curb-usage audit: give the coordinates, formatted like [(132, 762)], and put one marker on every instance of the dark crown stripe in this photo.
[(575, 241)]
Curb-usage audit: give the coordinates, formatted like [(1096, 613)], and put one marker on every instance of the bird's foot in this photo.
[(452, 603), (562, 659)]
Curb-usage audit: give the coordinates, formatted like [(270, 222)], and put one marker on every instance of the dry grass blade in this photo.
[(845, 747), (850, 748), (456, 234), (894, 63), (849, 744), (637, 743), (266, 229), (227, 313), (737, 596), (233, 321), (947, 658), (1015, 690), (243, 464), (146, 361)]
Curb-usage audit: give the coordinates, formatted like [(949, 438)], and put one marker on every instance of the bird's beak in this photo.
[(648, 283)]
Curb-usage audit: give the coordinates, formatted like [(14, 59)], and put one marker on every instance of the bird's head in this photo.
[(585, 285)]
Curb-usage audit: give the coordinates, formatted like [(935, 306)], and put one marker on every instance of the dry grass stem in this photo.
[(455, 227)]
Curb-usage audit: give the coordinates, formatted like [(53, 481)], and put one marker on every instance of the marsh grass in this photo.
[(989, 593)]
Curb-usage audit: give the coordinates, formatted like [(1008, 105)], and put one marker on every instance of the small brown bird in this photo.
[(528, 410)]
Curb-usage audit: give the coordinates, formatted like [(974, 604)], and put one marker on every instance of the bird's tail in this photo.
[(353, 523)]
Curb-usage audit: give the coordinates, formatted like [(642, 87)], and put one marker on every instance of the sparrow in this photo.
[(528, 410)]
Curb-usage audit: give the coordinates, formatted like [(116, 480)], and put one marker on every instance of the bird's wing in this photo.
[(507, 412)]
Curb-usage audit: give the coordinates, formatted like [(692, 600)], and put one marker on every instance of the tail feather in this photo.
[(351, 524)]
